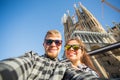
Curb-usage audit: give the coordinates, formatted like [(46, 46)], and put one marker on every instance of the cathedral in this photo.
[(87, 28)]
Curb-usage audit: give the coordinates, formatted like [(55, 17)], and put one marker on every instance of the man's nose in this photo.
[(53, 43)]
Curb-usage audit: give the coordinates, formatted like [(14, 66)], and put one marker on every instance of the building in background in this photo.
[(115, 30), (86, 27)]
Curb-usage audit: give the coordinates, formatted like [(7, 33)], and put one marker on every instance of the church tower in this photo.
[(86, 27)]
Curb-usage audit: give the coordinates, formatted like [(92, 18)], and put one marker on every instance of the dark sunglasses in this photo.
[(50, 41), (75, 47)]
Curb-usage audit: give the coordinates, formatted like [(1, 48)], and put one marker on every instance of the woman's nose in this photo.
[(71, 48)]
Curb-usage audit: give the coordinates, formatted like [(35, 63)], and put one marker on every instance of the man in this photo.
[(31, 66), (52, 44)]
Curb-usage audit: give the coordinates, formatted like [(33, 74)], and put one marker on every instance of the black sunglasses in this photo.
[(75, 47), (50, 41)]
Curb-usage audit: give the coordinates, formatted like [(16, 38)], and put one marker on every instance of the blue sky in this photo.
[(24, 23)]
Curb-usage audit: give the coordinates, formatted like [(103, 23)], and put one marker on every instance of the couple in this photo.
[(31, 66)]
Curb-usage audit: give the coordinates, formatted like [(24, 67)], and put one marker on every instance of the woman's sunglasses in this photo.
[(75, 47), (50, 41)]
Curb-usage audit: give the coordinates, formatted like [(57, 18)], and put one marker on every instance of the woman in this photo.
[(75, 52)]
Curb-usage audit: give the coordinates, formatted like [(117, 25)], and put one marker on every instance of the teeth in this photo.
[(52, 50), (72, 54)]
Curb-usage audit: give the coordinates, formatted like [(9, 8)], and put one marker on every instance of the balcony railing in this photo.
[(105, 48)]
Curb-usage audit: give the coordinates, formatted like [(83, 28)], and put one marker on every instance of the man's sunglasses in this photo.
[(75, 47), (50, 41)]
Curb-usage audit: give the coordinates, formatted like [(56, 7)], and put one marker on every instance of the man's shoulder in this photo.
[(32, 54), (65, 61)]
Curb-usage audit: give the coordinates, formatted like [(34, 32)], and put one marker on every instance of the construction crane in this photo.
[(107, 3)]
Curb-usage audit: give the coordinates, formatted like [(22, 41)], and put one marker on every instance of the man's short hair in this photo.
[(53, 33)]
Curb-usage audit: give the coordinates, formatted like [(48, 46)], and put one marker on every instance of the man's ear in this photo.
[(44, 44)]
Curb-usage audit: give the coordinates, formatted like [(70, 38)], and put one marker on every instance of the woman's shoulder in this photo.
[(85, 68)]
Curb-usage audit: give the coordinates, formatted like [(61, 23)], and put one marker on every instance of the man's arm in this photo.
[(17, 68)]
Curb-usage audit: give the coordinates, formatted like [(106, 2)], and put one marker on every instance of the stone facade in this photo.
[(85, 26)]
